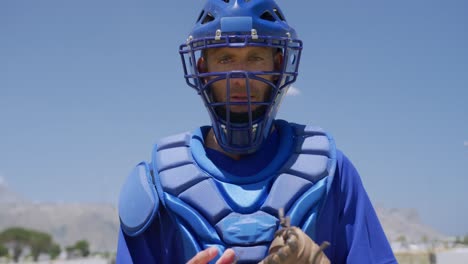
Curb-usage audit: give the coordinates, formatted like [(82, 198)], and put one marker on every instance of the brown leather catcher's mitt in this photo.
[(292, 246)]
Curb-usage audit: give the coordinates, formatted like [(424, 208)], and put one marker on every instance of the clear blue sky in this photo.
[(86, 88)]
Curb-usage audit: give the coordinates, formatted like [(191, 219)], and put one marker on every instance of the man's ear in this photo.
[(202, 68), (278, 64), (201, 65), (278, 60)]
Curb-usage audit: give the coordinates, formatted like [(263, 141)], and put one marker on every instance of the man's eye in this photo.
[(256, 58), (224, 60)]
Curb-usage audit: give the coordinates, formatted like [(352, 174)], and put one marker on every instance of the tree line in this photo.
[(15, 240), (462, 240)]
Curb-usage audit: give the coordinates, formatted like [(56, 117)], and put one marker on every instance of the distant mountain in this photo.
[(68, 223), (407, 223), (7, 195), (99, 224)]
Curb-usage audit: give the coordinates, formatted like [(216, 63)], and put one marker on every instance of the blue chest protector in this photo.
[(214, 208)]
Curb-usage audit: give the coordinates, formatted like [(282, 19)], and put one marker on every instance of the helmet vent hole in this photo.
[(208, 18), (278, 13), (226, 1), (201, 15), (268, 16)]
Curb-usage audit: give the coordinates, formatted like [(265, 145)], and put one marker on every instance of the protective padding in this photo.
[(309, 167), (303, 206), (215, 208), (245, 199), (138, 201), (207, 200), (318, 144), (180, 178), (249, 253), (240, 229), (201, 228), (287, 188), (172, 158)]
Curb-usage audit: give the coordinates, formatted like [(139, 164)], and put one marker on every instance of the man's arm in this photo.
[(123, 254), (366, 240), (349, 221)]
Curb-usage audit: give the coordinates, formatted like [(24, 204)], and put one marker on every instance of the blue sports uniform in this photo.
[(345, 216)]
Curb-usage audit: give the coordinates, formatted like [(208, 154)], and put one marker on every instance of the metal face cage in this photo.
[(244, 132)]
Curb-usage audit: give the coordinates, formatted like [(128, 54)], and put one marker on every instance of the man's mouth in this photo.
[(241, 98)]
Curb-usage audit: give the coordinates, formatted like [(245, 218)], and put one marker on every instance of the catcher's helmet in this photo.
[(237, 24)]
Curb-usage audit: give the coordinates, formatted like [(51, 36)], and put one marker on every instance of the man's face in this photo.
[(241, 59)]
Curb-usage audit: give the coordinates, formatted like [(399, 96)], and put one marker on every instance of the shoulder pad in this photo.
[(138, 201), (314, 140)]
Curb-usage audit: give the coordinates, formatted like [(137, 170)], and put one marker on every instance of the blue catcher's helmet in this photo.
[(237, 24)]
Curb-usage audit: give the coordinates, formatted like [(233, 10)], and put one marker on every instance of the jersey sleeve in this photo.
[(137, 249), (123, 254), (350, 222)]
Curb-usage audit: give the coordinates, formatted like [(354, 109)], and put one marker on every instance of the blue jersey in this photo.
[(347, 219)]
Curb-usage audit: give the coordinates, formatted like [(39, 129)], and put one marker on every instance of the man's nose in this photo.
[(238, 80), (238, 76)]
